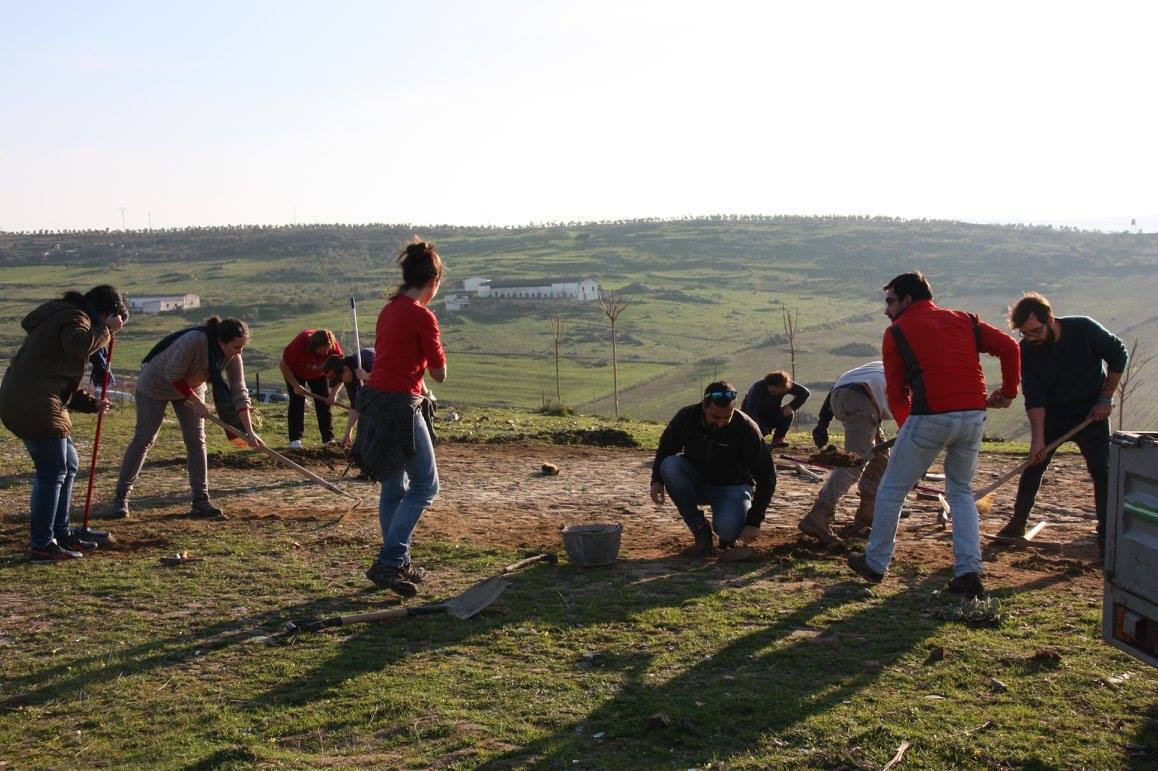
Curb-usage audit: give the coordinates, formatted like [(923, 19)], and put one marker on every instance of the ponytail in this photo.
[(224, 330), (420, 264)]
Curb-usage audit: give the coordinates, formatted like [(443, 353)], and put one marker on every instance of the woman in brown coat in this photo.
[(40, 388)]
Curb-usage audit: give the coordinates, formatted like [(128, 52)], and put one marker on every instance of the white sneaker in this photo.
[(296, 444)]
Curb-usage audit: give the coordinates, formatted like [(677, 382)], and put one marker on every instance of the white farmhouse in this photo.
[(583, 289), (178, 302)]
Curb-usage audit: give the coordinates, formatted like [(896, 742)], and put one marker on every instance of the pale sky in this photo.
[(216, 113)]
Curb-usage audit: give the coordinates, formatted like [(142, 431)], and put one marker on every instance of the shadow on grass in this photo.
[(759, 684), (1144, 752), (63, 680)]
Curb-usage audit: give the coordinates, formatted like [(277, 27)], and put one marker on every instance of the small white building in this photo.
[(473, 283), (177, 302), (456, 302), (583, 289)]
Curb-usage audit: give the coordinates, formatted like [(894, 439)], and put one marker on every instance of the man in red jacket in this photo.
[(936, 392)]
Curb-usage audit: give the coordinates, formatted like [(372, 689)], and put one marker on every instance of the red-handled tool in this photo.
[(101, 537)]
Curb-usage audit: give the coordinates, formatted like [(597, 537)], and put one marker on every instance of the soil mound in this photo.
[(596, 437), (834, 456)]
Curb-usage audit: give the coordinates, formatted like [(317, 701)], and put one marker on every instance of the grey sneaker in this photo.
[(203, 508), (392, 578)]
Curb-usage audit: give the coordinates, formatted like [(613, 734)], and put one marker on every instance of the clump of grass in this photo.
[(975, 612)]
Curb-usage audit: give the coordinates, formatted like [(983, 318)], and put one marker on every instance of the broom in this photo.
[(987, 495)]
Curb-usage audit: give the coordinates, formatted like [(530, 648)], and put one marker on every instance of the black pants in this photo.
[(1094, 443), (297, 410), (780, 423)]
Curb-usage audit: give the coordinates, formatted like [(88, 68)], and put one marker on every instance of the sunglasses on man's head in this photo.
[(729, 395)]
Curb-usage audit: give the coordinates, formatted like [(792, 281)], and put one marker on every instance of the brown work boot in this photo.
[(203, 508), (864, 512), (120, 507), (820, 531), (1014, 528), (816, 523)]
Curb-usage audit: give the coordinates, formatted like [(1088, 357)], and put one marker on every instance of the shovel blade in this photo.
[(476, 598)]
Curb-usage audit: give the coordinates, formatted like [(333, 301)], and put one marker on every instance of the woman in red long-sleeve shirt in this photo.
[(395, 444)]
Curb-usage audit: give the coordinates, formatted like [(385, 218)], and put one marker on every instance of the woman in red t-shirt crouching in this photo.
[(395, 442)]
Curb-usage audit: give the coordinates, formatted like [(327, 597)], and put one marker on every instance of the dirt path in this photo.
[(496, 494)]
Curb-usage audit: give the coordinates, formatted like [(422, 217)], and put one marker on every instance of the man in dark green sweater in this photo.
[(1070, 368)]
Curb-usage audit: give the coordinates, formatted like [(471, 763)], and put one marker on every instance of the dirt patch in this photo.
[(496, 495), (125, 545), (1069, 567)]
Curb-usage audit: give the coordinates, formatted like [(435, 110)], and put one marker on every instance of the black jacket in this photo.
[(732, 455)]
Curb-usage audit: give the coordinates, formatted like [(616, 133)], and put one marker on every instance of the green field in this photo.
[(707, 296)]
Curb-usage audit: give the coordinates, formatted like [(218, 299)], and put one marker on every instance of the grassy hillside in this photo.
[(707, 295)]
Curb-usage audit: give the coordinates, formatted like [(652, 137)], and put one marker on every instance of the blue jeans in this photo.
[(56, 465), (405, 495), (918, 444), (687, 489)]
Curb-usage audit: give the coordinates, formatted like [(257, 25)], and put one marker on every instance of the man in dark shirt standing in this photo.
[(763, 403), (712, 453), (1070, 368)]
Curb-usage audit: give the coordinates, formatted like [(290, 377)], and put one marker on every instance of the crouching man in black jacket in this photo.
[(711, 453)]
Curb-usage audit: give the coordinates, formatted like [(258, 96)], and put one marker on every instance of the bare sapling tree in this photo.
[(790, 319), (556, 325), (1130, 380), (613, 305)]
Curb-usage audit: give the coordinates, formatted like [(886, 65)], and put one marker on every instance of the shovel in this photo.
[(462, 607), (284, 460), (100, 537)]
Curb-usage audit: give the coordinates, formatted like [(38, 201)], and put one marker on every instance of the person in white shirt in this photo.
[(858, 401)]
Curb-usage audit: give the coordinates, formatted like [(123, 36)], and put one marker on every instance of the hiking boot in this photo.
[(295, 444), (819, 530), (54, 552), (704, 544), (413, 573), (203, 508), (392, 578), (864, 513), (859, 563), (73, 542), (119, 509), (776, 444), (968, 584), (1014, 528)]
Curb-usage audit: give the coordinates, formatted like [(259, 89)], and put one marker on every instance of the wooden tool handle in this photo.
[(523, 563), (1025, 464), (324, 399), (284, 460), (377, 615)]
